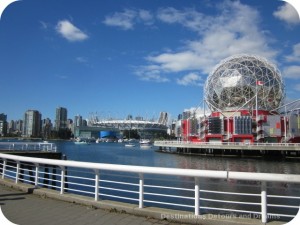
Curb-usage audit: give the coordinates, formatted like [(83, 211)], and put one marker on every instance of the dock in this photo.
[(44, 150), (230, 148)]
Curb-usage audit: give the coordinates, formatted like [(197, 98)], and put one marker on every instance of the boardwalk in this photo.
[(28, 209), (24, 208)]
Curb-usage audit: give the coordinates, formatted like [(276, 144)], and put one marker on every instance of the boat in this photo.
[(145, 143), (129, 144), (80, 141)]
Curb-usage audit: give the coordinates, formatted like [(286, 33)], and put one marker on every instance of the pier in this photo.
[(31, 149), (231, 148), (28, 146), (134, 190)]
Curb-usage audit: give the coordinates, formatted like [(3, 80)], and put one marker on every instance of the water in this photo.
[(116, 153)]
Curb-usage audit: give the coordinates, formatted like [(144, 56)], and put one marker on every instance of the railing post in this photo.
[(62, 180), (4, 168), (197, 196), (264, 213), (141, 191), (17, 172), (36, 179), (96, 185)]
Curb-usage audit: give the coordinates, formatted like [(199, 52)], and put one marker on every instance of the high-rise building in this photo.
[(61, 118), (46, 128), (69, 124), (19, 126), (3, 124), (11, 127), (163, 118), (78, 121), (32, 123)]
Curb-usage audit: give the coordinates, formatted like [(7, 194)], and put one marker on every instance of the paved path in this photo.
[(28, 209), (35, 209)]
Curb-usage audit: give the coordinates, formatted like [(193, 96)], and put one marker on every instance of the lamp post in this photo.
[(256, 94)]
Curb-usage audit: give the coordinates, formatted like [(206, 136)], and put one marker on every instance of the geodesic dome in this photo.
[(234, 82)]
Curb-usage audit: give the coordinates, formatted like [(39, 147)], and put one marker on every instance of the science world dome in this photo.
[(234, 83)]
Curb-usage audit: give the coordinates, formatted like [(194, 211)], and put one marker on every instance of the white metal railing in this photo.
[(163, 143), (141, 185), (28, 146)]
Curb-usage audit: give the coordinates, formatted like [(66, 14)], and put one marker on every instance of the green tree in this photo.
[(132, 134)]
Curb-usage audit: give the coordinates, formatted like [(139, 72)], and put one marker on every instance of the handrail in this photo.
[(287, 178), (95, 168), (226, 143), (123, 168)]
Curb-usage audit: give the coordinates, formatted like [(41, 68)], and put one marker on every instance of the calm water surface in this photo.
[(116, 153)]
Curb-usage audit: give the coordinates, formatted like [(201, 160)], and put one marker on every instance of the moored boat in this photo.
[(145, 143), (80, 141), (129, 145)]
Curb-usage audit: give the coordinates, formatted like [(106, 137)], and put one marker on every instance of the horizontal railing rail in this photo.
[(225, 143), (28, 146), (139, 184)]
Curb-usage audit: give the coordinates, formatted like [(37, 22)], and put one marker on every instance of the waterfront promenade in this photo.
[(28, 209), (231, 148), (23, 205)]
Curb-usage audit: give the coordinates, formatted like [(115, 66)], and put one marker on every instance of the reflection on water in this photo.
[(116, 153)]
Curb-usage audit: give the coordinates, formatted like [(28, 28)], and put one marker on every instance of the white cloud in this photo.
[(149, 73), (295, 56), (81, 59), (190, 79), (198, 111), (70, 32), (128, 18), (176, 62), (235, 30), (287, 13), (188, 18), (124, 20), (44, 25), (146, 17), (292, 72)]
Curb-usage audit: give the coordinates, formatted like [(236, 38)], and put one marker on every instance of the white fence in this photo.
[(202, 191), (28, 146), (295, 145)]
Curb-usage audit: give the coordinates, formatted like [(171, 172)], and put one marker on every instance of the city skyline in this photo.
[(108, 115), (134, 57)]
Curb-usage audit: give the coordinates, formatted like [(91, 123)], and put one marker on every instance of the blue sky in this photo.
[(134, 57)]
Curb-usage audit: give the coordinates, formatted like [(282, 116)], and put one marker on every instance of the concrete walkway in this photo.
[(28, 209), (24, 205)]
